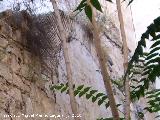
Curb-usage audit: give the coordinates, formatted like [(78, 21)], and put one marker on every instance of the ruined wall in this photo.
[(25, 87), (21, 87), (25, 74)]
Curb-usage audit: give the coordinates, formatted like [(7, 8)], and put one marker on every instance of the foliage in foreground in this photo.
[(146, 65), (144, 68), (88, 93), (81, 90)]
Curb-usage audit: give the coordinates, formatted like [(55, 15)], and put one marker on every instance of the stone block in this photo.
[(19, 82), (39, 82), (27, 57), (3, 85), (26, 82), (14, 49), (18, 36), (26, 72), (29, 106), (6, 58), (14, 64), (4, 115), (5, 72), (3, 100), (6, 30), (3, 42), (15, 108), (15, 93), (2, 54)]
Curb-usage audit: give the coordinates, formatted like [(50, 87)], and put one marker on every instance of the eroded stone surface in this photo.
[(23, 90), (18, 81), (15, 93), (5, 29), (3, 42), (5, 71)]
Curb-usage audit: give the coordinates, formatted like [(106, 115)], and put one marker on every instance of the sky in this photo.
[(144, 12), (37, 6)]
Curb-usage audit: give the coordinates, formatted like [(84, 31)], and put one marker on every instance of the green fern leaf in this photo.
[(94, 99), (76, 92), (104, 98), (154, 50), (155, 44), (100, 94), (64, 89), (151, 56), (93, 91), (100, 102), (88, 96), (81, 5), (80, 87), (86, 89), (88, 12), (107, 105), (81, 93), (96, 4)]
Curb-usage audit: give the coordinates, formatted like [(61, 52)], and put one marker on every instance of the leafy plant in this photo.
[(147, 63), (101, 59), (88, 92), (81, 90), (118, 83), (154, 101), (87, 8), (144, 67)]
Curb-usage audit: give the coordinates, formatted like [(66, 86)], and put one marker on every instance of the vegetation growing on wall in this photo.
[(141, 71), (150, 64)]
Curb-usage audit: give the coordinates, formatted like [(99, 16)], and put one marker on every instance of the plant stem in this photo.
[(102, 62), (125, 53), (66, 57)]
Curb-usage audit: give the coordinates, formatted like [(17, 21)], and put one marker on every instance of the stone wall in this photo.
[(21, 85), (24, 87), (25, 76)]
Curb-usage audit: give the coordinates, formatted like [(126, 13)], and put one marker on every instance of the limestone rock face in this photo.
[(25, 77)]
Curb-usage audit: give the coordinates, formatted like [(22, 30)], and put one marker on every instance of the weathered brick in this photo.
[(5, 29), (17, 80), (4, 115), (14, 64), (3, 42), (3, 100), (6, 58), (26, 72), (14, 49), (27, 57), (2, 55), (15, 93), (5, 71)]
